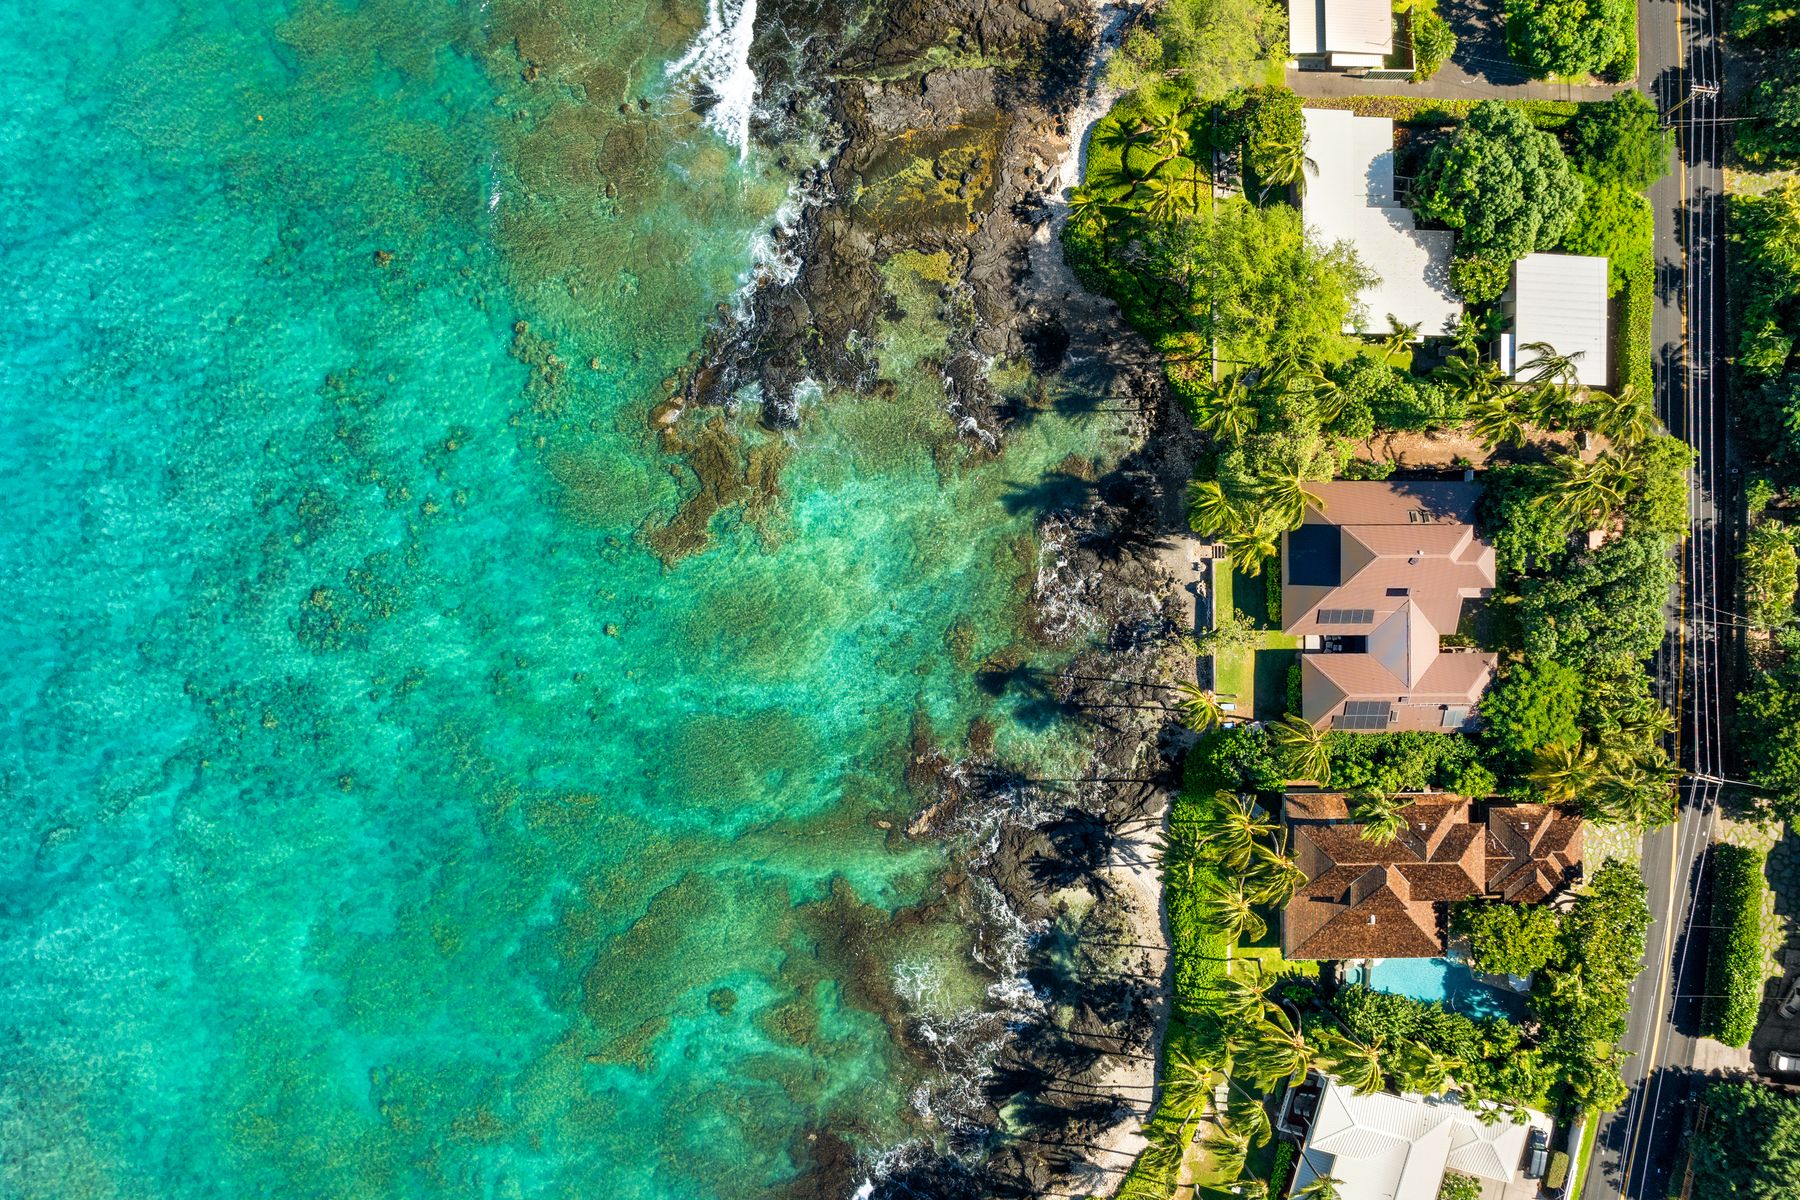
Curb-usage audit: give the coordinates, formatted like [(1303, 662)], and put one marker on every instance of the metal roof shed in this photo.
[(1560, 299), (1351, 33)]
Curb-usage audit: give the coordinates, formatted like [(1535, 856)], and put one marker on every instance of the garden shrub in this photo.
[(1770, 569), (1433, 42), (1736, 966), (1507, 939)]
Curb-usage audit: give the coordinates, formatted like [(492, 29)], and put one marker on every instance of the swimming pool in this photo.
[(1449, 983)]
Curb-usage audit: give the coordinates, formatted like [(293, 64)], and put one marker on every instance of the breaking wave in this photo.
[(719, 60)]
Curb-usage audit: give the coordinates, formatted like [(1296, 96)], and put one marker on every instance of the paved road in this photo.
[(1638, 1146)]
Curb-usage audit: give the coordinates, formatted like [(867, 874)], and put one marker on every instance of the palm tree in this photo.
[(1210, 511), (1306, 748), (1247, 1115), (1249, 548), (1278, 1050), (1416, 1067), (1164, 202), (1634, 791), (1496, 422), (1547, 366), (1228, 907), (1588, 492), (1470, 378), (1199, 707), (1322, 1187), (1357, 1065), (1286, 165), (1163, 1154), (1240, 1001), (1624, 418), (1562, 771), (1229, 1148), (1231, 824), (1085, 207), (1283, 491), (1271, 877), (1400, 337), (1226, 410), (1187, 1084), (1381, 815)]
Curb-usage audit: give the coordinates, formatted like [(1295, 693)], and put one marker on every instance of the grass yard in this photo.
[(1253, 680)]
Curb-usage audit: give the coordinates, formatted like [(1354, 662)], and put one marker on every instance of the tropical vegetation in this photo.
[(1745, 1144), (1737, 964)]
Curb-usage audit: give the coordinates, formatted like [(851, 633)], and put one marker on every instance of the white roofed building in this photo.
[(1560, 300), (1386, 1147), (1345, 34), (1352, 198)]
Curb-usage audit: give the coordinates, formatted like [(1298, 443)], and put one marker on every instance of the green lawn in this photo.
[(1578, 1168), (1255, 680)]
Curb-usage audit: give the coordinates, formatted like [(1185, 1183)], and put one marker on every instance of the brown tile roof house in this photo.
[(1361, 900), (1370, 585)]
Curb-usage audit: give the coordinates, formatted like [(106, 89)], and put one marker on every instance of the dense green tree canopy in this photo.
[(1748, 1146), (1622, 142), (1569, 37), (1773, 138), (1583, 994), (1532, 705), (1614, 223), (1251, 278), (1768, 719), (1769, 566), (1508, 939), (1604, 613), (1501, 183)]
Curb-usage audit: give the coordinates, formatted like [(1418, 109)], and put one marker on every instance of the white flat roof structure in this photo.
[(1561, 299), (1352, 199), (1352, 33), (1385, 1147)]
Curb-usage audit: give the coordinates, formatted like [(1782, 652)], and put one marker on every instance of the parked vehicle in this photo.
[(1790, 1003), (1783, 1063), (1537, 1153)]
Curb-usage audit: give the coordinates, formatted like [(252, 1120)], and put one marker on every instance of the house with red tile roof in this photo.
[(1371, 584), (1365, 900)]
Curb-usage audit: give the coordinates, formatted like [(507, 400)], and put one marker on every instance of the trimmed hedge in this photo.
[(1635, 349), (1411, 110), (1735, 969)]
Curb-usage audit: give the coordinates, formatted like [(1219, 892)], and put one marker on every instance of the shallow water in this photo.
[(384, 817)]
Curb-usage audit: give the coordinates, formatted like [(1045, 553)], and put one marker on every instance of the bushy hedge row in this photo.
[(1636, 342), (1735, 971), (1410, 110)]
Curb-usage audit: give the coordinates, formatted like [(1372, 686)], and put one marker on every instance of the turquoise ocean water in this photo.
[(382, 816)]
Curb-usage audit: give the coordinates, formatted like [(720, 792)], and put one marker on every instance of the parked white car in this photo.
[(1783, 1063), (1790, 1003)]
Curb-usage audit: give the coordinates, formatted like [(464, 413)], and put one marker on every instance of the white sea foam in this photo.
[(720, 58)]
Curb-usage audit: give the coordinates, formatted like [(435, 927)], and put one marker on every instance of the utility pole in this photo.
[(1695, 89)]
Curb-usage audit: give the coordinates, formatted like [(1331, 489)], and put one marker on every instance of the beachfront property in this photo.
[(1353, 198), (1362, 900), (1371, 584), (1385, 1147), (1558, 300), (1340, 34)]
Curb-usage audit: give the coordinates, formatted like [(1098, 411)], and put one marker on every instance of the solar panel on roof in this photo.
[(1315, 556), (1364, 715), (1346, 616)]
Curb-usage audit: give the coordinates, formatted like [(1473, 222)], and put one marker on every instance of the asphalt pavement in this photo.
[(1638, 1147)]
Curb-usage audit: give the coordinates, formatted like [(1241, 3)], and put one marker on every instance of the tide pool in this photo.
[(384, 815)]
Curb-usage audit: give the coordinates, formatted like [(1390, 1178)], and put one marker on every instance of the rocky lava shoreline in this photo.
[(969, 158)]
